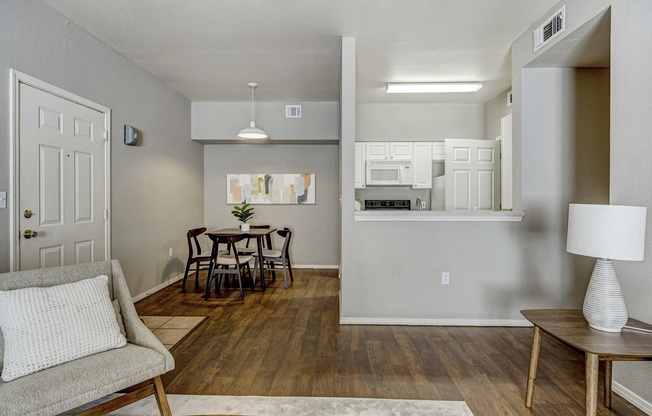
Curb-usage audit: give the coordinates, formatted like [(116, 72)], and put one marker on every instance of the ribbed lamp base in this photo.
[(604, 305)]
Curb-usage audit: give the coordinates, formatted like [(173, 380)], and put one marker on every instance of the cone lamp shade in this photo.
[(608, 232), (252, 132)]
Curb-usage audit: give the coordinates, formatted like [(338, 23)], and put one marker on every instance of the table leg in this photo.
[(209, 278), (592, 362), (607, 383), (534, 362), (259, 243)]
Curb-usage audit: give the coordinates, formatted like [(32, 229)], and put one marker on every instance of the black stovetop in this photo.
[(387, 204)]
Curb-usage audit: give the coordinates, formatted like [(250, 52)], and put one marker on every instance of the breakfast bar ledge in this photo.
[(409, 216)]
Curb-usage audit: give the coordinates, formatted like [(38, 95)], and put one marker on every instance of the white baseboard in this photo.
[(632, 397), (316, 266), (434, 322), (159, 287)]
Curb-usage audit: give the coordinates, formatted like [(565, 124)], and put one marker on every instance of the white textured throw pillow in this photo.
[(48, 326)]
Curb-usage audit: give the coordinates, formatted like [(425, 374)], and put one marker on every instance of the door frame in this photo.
[(17, 78)]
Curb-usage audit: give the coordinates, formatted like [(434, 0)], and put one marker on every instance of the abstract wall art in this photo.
[(270, 188)]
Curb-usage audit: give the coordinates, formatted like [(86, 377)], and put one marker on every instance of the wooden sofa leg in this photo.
[(161, 398), (133, 394)]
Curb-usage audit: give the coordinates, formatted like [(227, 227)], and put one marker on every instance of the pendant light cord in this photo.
[(252, 104)]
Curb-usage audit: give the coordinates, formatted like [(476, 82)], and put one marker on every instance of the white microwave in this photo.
[(389, 172)]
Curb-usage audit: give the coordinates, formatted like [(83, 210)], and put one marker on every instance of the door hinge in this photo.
[(106, 135), (106, 214)]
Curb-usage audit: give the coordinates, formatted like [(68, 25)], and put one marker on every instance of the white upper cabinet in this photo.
[(401, 150), (423, 165), (377, 150), (359, 165), (438, 151), (389, 151)]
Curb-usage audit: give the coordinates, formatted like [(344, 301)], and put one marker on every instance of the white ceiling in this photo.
[(208, 50)]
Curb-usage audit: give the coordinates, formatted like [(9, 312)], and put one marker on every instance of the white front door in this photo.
[(62, 208), (472, 175)]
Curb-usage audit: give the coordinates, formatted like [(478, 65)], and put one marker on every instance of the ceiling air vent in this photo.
[(549, 29)]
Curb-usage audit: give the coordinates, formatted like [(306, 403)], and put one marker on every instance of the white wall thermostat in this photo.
[(131, 135)]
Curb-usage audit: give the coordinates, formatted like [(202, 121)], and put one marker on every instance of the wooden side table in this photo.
[(570, 327)]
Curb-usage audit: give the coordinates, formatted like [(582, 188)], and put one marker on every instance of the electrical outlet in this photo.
[(445, 278), (170, 252), (423, 204)]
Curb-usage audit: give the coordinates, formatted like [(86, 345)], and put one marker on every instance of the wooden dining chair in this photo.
[(222, 260), (195, 256), (272, 257), (247, 250)]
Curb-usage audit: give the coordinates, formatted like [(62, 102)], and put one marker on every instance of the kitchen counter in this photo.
[(405, 215)]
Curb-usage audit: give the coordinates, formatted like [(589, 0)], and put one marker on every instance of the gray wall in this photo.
[(495, 110), (496, 268), (223, 120), (630, 149), (419, 122), (631, 159), (161, 179), (315, 240)]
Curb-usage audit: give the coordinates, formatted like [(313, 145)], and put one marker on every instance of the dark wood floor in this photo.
[(289, 343)]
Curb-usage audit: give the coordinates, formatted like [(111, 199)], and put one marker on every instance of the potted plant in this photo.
[(243, 214)]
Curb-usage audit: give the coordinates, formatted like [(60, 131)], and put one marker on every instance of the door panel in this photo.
[(51, 187), (83, 187), (51, 256), (461, 190), (485, 190), (84, 251), (62, 176)]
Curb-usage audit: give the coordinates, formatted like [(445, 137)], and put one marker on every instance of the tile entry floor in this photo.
[(171, 330)]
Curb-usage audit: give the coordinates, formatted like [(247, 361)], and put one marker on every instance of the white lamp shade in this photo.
[(613, 232), (252, 132)]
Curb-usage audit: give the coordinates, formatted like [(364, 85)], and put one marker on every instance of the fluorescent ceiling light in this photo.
[(431, 87)]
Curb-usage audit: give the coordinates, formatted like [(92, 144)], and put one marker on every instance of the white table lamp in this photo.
[(608, 232)]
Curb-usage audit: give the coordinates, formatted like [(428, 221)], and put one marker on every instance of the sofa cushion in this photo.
[(75, 383), (47, 326)]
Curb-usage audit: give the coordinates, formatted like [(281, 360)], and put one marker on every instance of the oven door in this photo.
[(383, 175)]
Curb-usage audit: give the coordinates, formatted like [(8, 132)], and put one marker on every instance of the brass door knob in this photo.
[(29, 234), (28, 213)]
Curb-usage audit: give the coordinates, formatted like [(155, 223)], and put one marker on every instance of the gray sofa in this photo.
[(75, 383)]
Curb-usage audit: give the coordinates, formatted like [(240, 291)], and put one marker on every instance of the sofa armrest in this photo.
[(137, 332)]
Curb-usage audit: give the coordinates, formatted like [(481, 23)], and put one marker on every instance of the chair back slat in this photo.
[(258, 227), (287, 235), (230, 241), (192, 239)]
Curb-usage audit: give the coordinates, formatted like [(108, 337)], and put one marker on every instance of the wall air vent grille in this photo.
[(549, 29), (293, 111)]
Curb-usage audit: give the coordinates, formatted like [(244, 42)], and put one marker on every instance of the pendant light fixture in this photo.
[(252, 132)]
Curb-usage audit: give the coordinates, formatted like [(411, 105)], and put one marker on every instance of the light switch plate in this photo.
[(3, 199)]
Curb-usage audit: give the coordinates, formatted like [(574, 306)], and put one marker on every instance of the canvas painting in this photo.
[(270, 188)]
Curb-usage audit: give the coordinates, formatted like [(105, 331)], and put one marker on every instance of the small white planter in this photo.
[(244, 227)]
